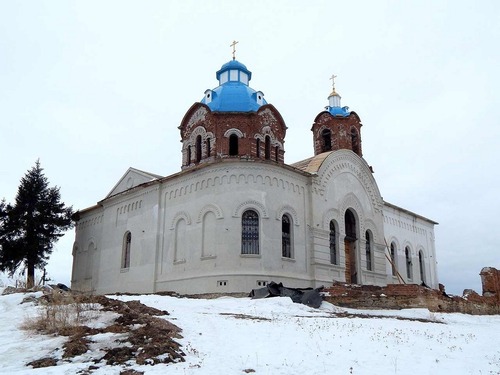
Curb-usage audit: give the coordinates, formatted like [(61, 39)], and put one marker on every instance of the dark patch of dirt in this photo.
[(118, 356), (131, 372), (149, 339), (244, 316), (76, 345), (43, 362), (369, 316)]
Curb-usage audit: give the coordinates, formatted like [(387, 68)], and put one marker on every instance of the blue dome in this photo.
[(233, 93), (233, 64), (338, 111)]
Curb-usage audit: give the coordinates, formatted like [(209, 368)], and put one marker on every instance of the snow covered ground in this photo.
[(275, 336)]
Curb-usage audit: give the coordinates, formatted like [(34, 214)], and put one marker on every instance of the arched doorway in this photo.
[(351, 273)]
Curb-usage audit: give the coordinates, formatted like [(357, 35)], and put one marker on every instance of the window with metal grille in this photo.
[(393, 259), (250, 232), (421, 266), (368, 251), (127, 240), (408, 263), (333, 243), (286, 237)]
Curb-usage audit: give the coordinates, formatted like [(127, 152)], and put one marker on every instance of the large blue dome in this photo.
[(233, 93)]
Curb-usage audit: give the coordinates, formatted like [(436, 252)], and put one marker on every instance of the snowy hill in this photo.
[(274, 336)]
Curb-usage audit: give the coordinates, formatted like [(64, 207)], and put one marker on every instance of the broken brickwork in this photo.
[(403, 296), (490, 278)]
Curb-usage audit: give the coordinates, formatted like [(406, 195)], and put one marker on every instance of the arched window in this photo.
[(198, 148), (268, 148), (355, 141), (209, 149), (333, 243), (408, 263), (277, 153), (393, 258), (127, 240), (368, 249), (421, 266), (326, 140), (286, 237), (257, 147), (189, 155), (250, 232), (233, 145)]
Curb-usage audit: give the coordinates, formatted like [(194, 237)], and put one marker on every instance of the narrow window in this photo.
[(286, 237), (277, 153), (233, 145), (333, 243), (209, 151), (408, 263), (393, 259), (326, 137), (421, 266), (198, 148), (368, 251), (250, 232), (127, 240), (189, 155), (257, 147), (268, 148), (354, 141)]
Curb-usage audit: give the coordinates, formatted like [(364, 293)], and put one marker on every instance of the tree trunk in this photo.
[(30, 281)]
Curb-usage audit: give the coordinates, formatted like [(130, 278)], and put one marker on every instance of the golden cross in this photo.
[(234, 48), (333, 81)]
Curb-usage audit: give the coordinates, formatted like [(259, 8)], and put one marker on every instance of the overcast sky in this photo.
[(94, 87)]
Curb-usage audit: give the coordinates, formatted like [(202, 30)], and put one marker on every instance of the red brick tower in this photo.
[(336, 128), (232, 121)]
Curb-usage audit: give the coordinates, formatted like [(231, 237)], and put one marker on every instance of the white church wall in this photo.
[(406, 229), (344, 181), (224, 192), (86, 250)]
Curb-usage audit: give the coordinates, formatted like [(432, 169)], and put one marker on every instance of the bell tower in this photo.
[(336, 128)]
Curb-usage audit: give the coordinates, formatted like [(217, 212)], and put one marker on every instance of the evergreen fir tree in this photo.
[(30, 227)]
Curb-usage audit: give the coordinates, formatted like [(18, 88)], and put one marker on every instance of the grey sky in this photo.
[(93, 87)]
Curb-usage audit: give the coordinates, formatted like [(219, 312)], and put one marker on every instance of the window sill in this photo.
[(250, 255), (207, 257), (285, 259), (180, 261), (123, 270)]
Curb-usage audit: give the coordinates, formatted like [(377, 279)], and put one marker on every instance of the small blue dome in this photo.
[(236, 65), (338, 111), (233, 93)]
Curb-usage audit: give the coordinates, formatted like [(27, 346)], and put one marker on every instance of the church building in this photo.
[(236, 216)]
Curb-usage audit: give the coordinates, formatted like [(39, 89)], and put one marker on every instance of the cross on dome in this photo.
[(233, 44), (333, 81)]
